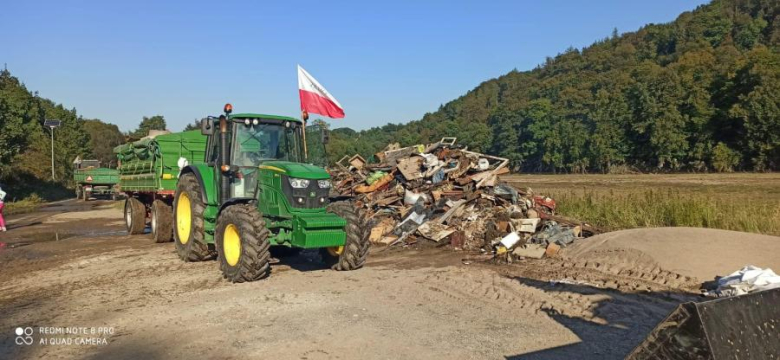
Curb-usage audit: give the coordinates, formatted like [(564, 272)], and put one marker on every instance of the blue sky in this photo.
[(389, 61)]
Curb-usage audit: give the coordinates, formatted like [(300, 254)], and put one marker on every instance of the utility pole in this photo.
[(52, 124)]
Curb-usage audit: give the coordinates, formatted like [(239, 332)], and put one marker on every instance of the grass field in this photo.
[(742, 202)]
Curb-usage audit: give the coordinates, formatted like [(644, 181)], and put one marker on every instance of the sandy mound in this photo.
[(695, 252)]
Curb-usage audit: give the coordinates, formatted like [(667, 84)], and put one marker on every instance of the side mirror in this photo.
[(325, 135), (207, 127)]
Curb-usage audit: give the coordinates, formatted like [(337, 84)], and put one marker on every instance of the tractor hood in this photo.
[(296, 170)]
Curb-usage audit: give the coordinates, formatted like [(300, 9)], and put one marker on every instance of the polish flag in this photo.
[(315, 99)]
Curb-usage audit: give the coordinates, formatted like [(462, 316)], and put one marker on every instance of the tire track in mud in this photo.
[(606, 274), (590, 290), (477, 306), (128, 277), (486, 290)]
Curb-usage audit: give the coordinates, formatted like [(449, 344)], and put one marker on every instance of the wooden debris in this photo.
[(464, 204)]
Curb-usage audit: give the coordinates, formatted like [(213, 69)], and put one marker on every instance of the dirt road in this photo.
[(406, 304)]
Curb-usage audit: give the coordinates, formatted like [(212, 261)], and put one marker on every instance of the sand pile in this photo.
[(694, 252)]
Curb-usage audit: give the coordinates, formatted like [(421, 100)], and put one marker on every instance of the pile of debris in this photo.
[(444, 194)]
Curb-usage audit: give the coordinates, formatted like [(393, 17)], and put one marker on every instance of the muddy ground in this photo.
[(405, 304)]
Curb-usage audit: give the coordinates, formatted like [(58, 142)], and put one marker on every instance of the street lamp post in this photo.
[(52, 124)]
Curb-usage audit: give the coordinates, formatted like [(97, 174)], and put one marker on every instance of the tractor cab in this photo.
[(257, 142)]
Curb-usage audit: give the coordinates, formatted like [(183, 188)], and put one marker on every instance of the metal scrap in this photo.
[(446, 194)]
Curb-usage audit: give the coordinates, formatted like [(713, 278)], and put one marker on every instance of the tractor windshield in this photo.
[(255, 144)]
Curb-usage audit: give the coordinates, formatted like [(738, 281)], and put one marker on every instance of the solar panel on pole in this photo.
[(51, 123)]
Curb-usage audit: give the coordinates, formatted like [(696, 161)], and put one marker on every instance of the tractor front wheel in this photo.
[(353, 254), (135, 216), (242, 244), (162, 222), (188, 230)]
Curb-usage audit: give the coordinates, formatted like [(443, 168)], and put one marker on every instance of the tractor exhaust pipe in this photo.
[(224, 156)]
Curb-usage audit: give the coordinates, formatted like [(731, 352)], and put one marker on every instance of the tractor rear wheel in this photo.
[(162, 222), (135, 216), (188, 230), (353, 254), (242, 244)]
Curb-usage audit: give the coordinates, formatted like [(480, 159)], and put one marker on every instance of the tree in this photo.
[(156, 122), (609, 145), (668, 97), (103, 138), (724, 159), (194, 125), (758, 108), (25, 143), (19, 117)]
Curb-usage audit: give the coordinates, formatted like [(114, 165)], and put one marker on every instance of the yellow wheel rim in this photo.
[(184, 218), (336, 250), (231, 244)]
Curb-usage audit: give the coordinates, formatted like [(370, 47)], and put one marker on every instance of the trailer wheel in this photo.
[(135, 216), (353, 254), (162, 222), (242, 244), (188, 220), (86, 195)]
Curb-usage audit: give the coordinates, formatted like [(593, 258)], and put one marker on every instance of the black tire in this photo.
[(356, 248), (193, 246), (162, 222), (253, 261), (135, 216)]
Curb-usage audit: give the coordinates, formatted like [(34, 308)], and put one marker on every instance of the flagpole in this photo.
[(304, 117)]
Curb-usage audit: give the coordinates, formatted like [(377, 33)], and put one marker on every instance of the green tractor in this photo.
[(255, 191)]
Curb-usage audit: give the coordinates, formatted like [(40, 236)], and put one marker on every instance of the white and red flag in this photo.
[(315, 99)]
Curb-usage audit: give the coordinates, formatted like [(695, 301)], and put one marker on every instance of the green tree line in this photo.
[(701, 93), (25, 143)]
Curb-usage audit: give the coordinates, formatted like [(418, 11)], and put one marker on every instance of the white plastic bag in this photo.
[(746, 280)]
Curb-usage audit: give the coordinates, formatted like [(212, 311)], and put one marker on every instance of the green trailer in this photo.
[(148, 173), (93, 180)]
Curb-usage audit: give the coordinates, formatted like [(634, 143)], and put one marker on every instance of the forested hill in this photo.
[(25, 143), (701, 93)]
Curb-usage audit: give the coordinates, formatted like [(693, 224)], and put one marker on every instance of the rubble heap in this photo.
[(445, 194)]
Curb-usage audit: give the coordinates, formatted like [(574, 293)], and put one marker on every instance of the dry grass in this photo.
[(742, 202), (29, 204)]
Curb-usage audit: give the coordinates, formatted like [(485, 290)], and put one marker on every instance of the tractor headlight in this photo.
[(299, 183), (247, 122), (323, 184)]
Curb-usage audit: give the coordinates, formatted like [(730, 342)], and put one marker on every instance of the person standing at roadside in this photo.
[(2, 205)]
